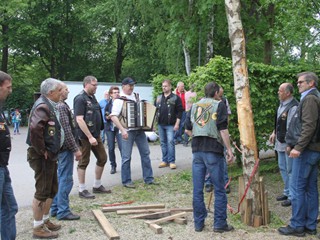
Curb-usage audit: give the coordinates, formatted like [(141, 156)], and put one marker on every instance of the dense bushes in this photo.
[(264, 82)]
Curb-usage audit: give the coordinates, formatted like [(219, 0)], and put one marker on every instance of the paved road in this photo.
[(22, 174)]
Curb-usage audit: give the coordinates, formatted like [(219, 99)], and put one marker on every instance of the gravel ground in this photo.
[(129, 229)]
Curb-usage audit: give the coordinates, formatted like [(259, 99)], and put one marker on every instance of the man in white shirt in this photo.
[(130, 136)]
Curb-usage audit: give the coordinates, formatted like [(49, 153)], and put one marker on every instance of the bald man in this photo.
[(287, 108)]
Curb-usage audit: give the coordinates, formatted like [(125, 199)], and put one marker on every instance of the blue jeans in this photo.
[(111, 138), (213, 163), (139, 137), (167, 144), (225, 175), (285, 167), (103, 133), (304, 185), (9, 206), (180, 133), (60, 204), (16, 126)]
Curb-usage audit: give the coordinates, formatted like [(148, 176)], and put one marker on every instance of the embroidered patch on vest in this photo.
[(202, 115)]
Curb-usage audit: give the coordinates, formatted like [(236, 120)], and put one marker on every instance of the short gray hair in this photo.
[(3, 77), (309, 76), (48, 85)]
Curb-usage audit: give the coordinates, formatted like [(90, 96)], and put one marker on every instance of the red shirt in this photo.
[(183, 100)]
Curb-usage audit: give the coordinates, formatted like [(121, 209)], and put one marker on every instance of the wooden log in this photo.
[(105, 224), (114, 209), (180, 220), (139, 211), (156, 228), (166, 219), (155, 215)]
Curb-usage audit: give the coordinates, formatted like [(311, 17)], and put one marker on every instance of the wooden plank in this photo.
[(180, 220), (116, 204), (166, 219), (257, 221), (241, 192), (248, 212), (139, 211), (114, 209), (173, 210), (156, 228), (266, 208), (155, 215), (105, 224), (261, 185)]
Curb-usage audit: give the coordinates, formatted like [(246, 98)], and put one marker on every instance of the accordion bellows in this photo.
[(138, 115)]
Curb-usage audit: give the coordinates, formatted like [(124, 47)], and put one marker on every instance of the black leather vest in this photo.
[(92, 117), (281, 122)]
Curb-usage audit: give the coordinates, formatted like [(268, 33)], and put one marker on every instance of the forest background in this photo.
[(151, 40)]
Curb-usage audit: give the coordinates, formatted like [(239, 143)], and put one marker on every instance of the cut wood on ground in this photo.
[(105, 224), (157, 212)]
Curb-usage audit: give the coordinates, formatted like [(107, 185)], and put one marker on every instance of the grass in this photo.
[(175, 190)]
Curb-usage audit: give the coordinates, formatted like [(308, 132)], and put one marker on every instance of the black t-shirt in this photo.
[(88, 106), (208, 144)]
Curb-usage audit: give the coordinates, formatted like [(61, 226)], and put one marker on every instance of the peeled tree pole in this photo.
[(252, 212)]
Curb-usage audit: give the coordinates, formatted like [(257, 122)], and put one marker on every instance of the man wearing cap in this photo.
[(130, 136)]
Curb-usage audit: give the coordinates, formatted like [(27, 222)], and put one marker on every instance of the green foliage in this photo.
[(70, 39), (158, 79), (264, 82)]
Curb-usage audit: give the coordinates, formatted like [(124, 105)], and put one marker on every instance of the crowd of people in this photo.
[(57, 136)]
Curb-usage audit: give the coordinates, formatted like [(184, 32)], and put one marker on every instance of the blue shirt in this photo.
[(103, 103)]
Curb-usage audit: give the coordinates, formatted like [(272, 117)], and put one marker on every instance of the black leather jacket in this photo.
[(5, 140), (44, 133)]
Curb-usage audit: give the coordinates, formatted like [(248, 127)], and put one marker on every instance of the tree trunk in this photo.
[(268, 44), (209, 52), (186, 58), (244, 108), (120, 56), (5, 48)]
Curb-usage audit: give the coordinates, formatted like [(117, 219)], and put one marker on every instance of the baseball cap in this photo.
[(129, 81)]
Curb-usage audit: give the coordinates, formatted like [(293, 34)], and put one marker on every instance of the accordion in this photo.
[(138, 115)]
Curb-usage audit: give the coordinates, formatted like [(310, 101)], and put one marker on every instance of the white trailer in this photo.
[(145, 90)]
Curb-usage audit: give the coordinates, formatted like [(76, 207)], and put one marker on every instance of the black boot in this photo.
[(113, 170)]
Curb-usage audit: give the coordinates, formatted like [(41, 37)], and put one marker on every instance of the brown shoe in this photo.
[(51, 226), (42, 232)]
